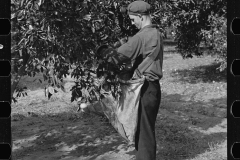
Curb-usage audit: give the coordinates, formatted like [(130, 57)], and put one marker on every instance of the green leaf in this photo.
[(27, 42), (15, 68), (36, 6), (93, 29), (31, 38), (13, 15), (21, 3), (14, 100), (50, 90), (44, 77), (62, 88), (19, 43), (40, 2)]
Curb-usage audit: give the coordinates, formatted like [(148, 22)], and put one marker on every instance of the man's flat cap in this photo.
[(139, 7)]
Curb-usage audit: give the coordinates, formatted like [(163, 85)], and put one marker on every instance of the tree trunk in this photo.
[(16, 78)]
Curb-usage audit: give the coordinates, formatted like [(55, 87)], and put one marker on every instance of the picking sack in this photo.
[(123, 112)]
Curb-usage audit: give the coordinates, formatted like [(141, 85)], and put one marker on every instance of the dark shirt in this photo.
[(144, 43)]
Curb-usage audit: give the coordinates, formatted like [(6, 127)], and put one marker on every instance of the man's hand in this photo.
[(123, 40), (120, 42), (117, 44), (100, 51)]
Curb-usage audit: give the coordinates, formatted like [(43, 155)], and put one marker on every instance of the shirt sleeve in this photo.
[(128, 51)]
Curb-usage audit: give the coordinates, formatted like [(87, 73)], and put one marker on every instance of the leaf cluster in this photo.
[(196, 21), (66, 31)]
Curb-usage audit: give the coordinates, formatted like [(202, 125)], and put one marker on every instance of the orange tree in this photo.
[(55, 36), (200, 22)]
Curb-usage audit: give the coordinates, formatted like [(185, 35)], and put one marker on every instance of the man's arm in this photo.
[(128, 51)]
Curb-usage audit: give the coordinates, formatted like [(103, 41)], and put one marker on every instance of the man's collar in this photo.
[(148, 26)]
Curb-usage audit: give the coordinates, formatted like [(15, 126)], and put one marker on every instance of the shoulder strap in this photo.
[(148, 60)]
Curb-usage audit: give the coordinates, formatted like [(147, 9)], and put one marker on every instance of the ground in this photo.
[(191, 123)]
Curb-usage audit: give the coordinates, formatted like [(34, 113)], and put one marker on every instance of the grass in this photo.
[(217, 151), (187, 128)]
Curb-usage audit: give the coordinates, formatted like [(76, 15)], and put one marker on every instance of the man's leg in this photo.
[(145, 142)]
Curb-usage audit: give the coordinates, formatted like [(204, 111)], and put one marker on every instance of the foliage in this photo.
[(216, 39), (200, 21), (59, 37), (54, 37)]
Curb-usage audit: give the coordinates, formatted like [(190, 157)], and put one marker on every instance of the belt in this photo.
[(153, 81)]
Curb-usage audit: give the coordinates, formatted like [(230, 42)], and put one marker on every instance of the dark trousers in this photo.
[(145, 142)]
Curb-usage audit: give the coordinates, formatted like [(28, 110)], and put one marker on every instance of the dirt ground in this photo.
[(191, 120)]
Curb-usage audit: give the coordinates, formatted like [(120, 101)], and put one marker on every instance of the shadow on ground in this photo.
[(169, 42), (37, 82), (205, 73), (63, 135), (185, 129)]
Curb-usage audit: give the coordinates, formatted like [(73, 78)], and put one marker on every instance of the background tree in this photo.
[(200, 22)]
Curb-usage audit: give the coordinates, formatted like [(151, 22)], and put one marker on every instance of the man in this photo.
[(147, 43)]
